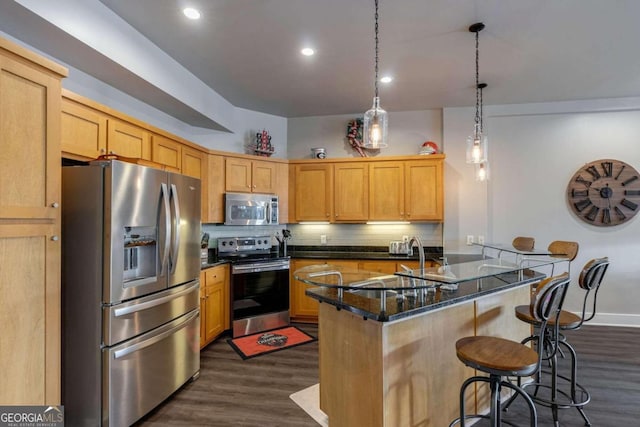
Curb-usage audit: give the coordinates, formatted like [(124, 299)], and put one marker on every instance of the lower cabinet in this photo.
[(214, 303), (305, 309)]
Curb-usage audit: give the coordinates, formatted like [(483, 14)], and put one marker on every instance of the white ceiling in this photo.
[(531, 50)]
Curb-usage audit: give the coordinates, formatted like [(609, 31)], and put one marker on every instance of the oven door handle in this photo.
[(263, 266)]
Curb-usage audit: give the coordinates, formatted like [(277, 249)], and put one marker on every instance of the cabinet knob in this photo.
[(55, 238), (327, 214), (336, 215), (102, 150), (55, 205)]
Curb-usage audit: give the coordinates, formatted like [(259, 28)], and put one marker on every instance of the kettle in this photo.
[(399, 247)]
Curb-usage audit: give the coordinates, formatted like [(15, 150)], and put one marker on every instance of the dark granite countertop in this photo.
[(411, 303), (358, 252)]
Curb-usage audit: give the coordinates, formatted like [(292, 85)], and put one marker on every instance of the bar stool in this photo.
[(563, 249), (501, 358), (577, 397), (522, 243)]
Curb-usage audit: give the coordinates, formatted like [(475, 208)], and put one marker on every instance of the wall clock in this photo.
[(605, 192)]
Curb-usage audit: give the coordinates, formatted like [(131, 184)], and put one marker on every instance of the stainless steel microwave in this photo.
[(250, 209)]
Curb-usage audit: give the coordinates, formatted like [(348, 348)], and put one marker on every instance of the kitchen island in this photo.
[(387, 343)]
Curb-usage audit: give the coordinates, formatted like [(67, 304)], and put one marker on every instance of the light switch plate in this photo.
[(323, 239), (470, 239)]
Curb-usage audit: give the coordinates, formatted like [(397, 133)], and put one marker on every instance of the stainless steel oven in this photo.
[(259, 284)]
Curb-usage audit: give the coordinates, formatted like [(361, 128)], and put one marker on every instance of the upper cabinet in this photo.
[(313, 192), (168, 152), (30, 290), (402, 188), (387, 188), (128, 140), (84, 131), (250, 176), (424, 190), (213, 200), (351, 192)]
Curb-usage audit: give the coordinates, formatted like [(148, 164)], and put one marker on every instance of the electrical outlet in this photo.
[(481, 240), (469, 239), (405, 239), (323, 239)]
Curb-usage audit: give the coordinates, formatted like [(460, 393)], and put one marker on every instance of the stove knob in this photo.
[(259, 241), (224, 243)]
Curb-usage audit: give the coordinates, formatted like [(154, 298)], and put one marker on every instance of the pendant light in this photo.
[(374, 129), (477, 143)]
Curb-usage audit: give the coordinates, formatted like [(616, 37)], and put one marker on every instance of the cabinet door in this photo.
[(214, 321), (351, 192), (166, 152), (203, 309), (314, 192), (282, 190), (83, 131), (385, 267), (424, 190), (263, 177), (194, 164), (302, 307), (386, 191), (30, 306), (127, 140), (30, 294), (213, 201), (237, 175)]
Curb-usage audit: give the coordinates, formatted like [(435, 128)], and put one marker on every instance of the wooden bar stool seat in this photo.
[(501, 358), (523, 243), (566, 319)]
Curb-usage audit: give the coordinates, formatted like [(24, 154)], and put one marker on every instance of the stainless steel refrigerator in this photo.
[(131, 264)]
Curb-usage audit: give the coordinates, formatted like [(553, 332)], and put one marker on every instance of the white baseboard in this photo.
[(612, 319)]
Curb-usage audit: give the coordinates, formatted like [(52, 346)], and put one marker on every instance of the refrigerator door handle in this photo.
[(153, 303), (167, 226), (156, 338), (175, 250)]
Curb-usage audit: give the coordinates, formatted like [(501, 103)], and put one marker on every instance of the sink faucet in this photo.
[(420, 251)]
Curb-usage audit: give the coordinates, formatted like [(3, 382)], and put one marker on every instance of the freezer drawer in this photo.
[(142, 372), (127, 320)]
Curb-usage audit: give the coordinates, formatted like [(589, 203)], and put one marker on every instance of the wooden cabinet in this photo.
[(314, 192), (167, 152), (409, 190), (88, 133), (250, 176), (213, 201), (214, 303), (386, 195), (128, 140), (351, 192), (384, 267), (399, 188), (84, 131), (30, 293), (194, 163), (424, 193)]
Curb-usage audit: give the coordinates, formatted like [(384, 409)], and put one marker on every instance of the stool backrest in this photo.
[(522, 243), (564, 249), (547, 301), (590, 279), (546, 304)]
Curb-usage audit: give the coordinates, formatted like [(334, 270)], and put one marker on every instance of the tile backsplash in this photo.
[(336, 234)]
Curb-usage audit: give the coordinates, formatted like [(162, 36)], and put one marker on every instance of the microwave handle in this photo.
[(269, 209)]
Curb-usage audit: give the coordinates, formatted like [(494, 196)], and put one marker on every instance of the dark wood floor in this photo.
[(255, 392)]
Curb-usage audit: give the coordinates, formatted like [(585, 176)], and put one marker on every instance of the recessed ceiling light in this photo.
[(307, 51), (191, 13), (386, 79)]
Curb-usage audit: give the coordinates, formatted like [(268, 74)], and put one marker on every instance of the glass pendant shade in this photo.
[(374, 128), (482, 171), (477, 146)]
